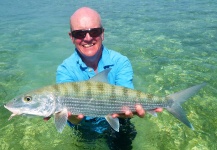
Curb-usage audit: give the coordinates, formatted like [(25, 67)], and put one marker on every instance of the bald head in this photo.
[(85, 18)]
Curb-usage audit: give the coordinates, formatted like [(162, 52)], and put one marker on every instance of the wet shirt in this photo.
[(74, 69)]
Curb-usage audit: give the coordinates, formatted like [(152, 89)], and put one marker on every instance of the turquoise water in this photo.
[(172, 45)]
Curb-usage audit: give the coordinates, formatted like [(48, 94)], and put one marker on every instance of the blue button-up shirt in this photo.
[(74, 69)]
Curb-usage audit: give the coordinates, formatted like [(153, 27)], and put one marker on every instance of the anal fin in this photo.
[(113, 122)]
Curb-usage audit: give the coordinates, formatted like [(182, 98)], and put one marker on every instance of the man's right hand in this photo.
[(75, 119)]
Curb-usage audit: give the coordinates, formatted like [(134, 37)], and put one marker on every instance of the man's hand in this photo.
[(139, 112), (46, 118), (75, 119)]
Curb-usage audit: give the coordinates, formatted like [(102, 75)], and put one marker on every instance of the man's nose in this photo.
[(87, 37)]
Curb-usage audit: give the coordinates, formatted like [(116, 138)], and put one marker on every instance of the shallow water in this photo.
[(172, 45)]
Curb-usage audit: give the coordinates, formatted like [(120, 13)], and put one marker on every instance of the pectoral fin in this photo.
[(60, 119), (113, 122)]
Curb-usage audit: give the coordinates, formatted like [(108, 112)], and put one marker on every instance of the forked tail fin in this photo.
[(178, 98)]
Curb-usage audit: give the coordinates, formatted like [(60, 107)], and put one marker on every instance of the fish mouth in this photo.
[(14, 111)]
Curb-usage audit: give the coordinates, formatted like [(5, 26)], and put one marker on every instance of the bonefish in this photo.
[(95, 98)]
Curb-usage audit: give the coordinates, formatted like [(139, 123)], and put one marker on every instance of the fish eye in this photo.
[(27, 98)]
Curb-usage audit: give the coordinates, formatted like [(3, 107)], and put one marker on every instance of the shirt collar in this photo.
[(79, 60)]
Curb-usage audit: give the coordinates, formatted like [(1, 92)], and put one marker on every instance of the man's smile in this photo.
[(87, 45)]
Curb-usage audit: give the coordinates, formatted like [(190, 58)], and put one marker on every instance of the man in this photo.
[(91, 57)]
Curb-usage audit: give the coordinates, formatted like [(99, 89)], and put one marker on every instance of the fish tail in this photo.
[(178, 98)]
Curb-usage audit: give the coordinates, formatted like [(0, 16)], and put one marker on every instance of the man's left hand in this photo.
[(127, 113)]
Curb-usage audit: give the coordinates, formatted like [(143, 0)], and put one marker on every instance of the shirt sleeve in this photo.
[(124, 74), (63, 75)]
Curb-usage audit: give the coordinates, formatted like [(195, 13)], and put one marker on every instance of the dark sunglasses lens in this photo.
[(95, 32), (79, 34)]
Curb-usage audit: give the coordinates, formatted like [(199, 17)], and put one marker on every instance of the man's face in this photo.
[(87, 46)]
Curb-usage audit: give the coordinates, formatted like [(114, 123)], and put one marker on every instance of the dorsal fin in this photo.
[(102, 76)]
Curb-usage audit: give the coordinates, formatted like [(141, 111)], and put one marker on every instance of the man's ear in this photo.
[(71, 37), (102, 36)]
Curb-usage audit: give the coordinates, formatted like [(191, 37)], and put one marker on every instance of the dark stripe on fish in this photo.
[(76, 88), (100, 87), (113, 94), (89, 90)]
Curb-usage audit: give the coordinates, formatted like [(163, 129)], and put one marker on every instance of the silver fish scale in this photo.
[(99, 99), (96, 108)]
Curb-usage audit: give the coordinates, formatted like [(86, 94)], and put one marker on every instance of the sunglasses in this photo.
[(80, 34)]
